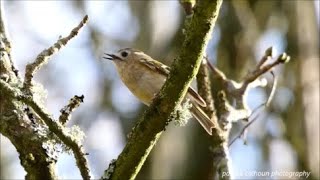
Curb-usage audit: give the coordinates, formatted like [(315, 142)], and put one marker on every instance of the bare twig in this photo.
[(44, 56), (267, 55), (238, 91), (283, 58), (266, 104), (217, 72), (273, 90), (244, 129), (68, 109), (53, 126)]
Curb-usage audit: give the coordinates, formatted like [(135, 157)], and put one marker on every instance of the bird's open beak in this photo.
[(111, 57)]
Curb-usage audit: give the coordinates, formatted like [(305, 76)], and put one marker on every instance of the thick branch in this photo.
[(53, 126), (149, 128), (20, 127), (16, 125)]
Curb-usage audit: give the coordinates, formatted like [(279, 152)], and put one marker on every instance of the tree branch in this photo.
[(148, 130), (44, 56), (16, 125), (204, 88), (69, 108), (53, 126), (218, 141), (30, 131), (228, 114), (7, 66)]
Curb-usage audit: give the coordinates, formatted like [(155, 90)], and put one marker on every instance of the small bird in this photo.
[(145, 76)]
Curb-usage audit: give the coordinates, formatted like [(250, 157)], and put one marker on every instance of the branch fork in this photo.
[(239, 91), (22, 92)]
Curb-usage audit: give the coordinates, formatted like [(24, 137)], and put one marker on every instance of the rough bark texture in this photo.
[(148, 130), (15, 123), (24, 120)]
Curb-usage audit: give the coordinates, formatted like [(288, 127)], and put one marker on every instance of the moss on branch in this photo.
[(148, 130)]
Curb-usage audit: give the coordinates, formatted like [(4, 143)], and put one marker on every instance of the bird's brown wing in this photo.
[(165, 70)]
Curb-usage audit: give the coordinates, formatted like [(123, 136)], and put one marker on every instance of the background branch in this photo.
[(204, 88), (218, 153)]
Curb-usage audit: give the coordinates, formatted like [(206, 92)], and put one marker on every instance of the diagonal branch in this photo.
[(238, 91), (44, 56), (260, 69), (149, 129), (53, 126)]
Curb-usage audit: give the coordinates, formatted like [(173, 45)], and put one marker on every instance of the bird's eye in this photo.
[(124, 54)]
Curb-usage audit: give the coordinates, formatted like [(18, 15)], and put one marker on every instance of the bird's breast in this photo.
[(143, 84)]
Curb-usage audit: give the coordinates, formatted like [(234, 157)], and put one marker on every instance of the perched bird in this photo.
[(145, 76)]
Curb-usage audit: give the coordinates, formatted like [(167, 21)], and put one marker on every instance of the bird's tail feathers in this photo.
[(202, 118)]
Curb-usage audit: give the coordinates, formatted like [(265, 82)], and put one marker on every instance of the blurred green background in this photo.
[(284, 138)]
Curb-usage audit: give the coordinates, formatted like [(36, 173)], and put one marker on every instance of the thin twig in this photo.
[(53, 126), (266, 104), (273, 90), (217, 72), (283, 58), (44, 56), (69, 108), (244, 129), (239, 90), (267, 55), (239, 93)]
